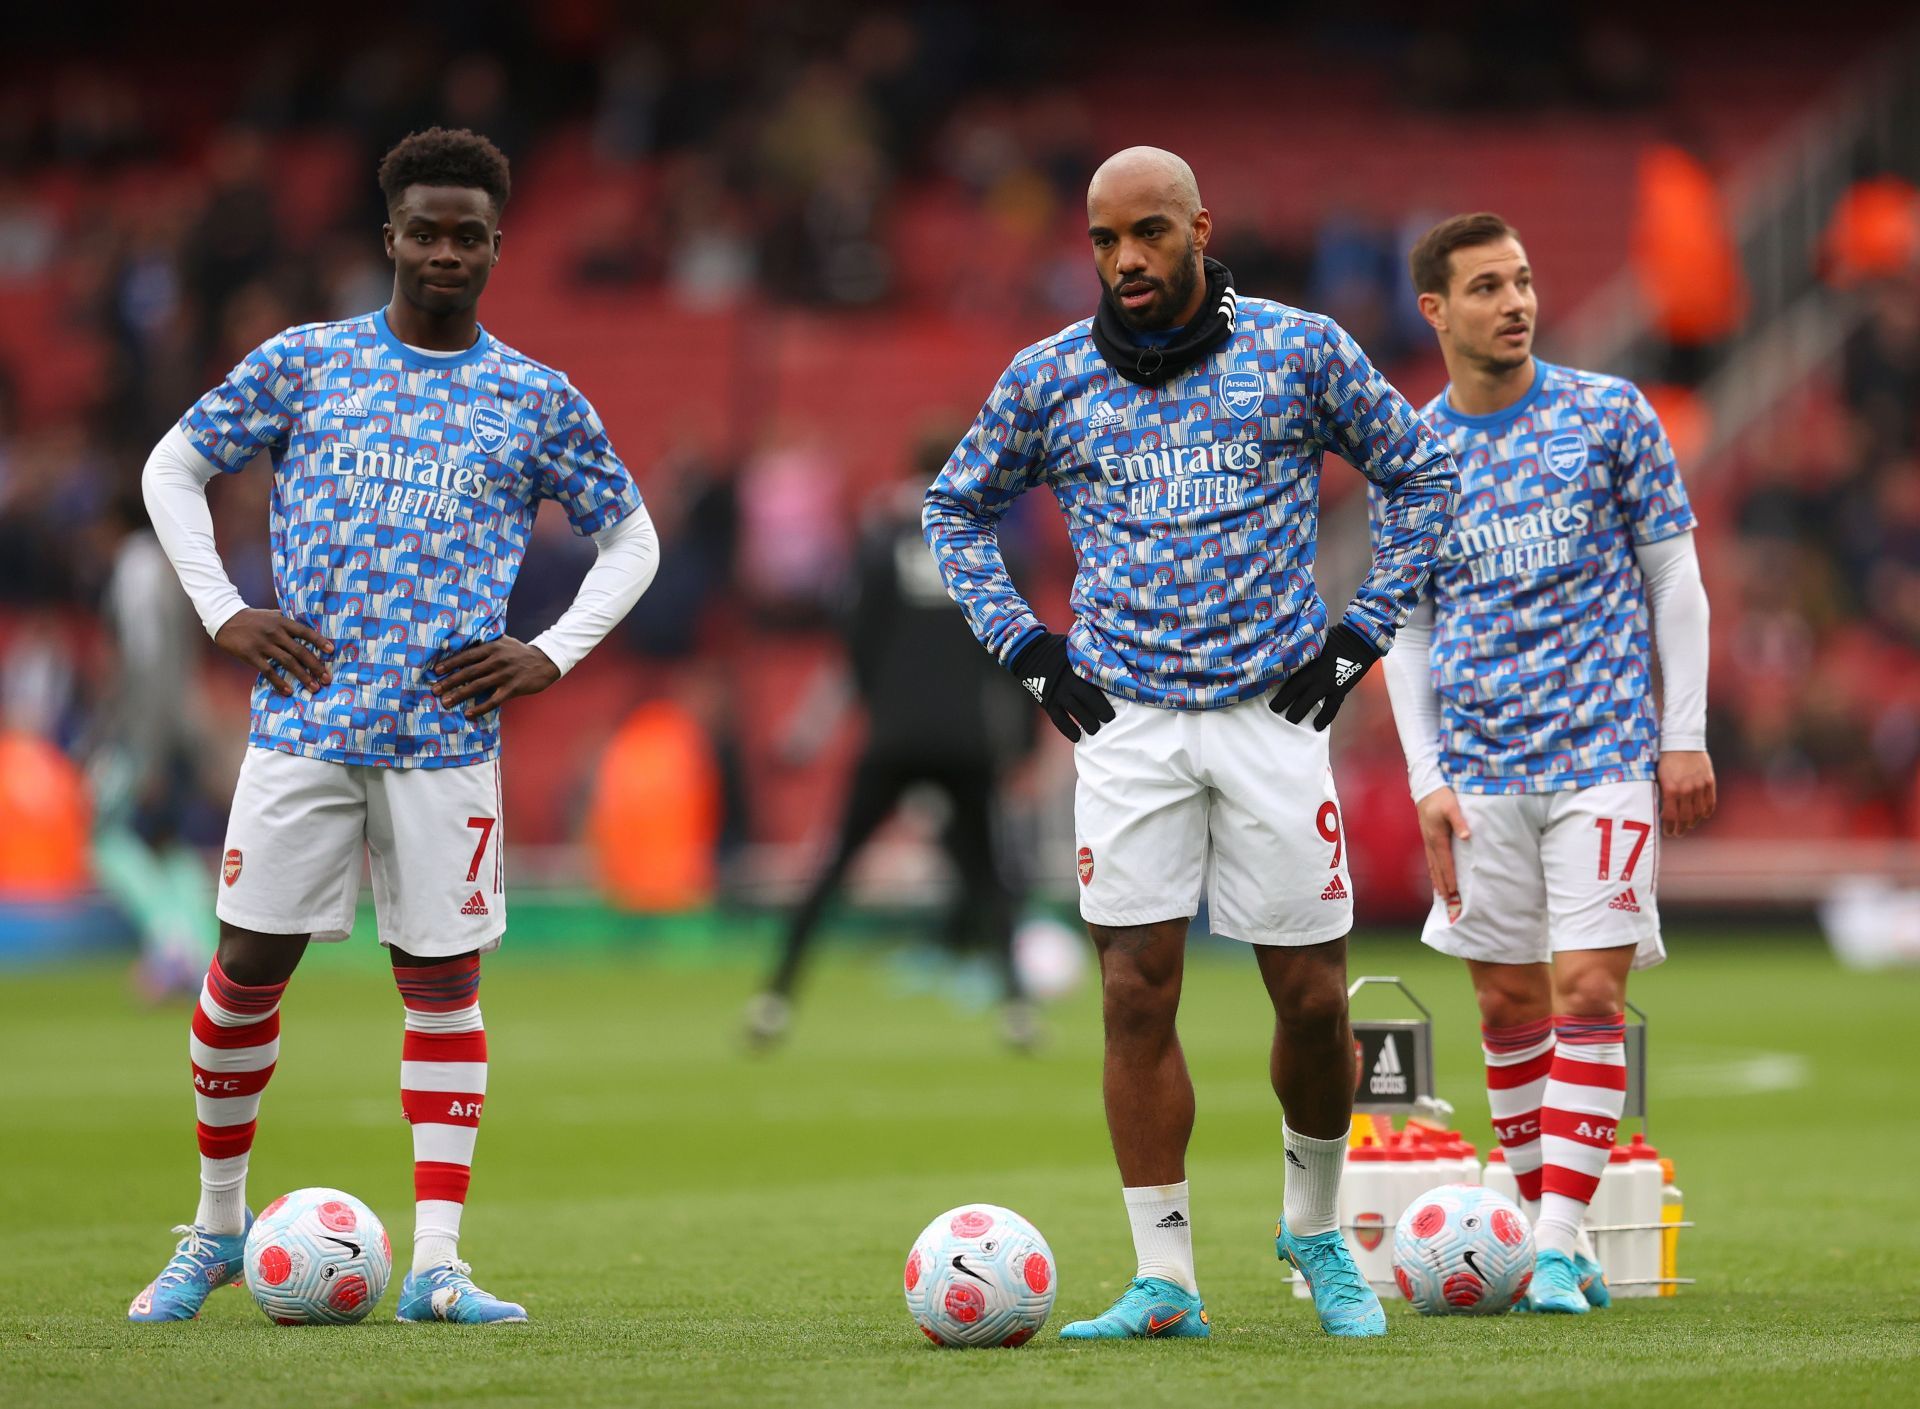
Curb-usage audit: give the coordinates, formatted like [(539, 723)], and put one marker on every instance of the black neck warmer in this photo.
[(1151, 366)]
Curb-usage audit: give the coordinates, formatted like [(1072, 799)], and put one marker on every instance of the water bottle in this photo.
[(1642, 1270), (1497, 1177), (1611, 1207), (1367, 1215), (1673, 1209)]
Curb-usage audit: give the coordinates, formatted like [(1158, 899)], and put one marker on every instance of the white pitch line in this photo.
[(1735, 1074)]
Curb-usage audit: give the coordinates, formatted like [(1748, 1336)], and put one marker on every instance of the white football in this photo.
[(317, 1256), (980, 1275), (1462, 1250)]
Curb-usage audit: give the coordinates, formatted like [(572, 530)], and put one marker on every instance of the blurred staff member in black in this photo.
[(940, 714)]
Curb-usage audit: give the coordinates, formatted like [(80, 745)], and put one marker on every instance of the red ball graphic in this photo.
[(1507, 1227), (275, 1265), (1429, 1220), (931, 1336), (970, 1224), (273, 1207), (1039, 1276), (1463, 1289), (337, 1216), (348, 1293), (1019, 1337), (913, 1269), (386, 1247), (965, 1303), (1406, 1283), (1526, 1280)]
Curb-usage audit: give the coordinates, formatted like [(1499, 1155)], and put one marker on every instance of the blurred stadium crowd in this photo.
[(776, 245)]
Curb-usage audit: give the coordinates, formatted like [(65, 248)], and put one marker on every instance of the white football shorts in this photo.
[(1235, 800), (299, 827), (1548, 872)]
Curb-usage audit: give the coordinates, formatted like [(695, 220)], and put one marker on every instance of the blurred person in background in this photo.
[(410, 451), (1523, 691), (940, 715), (1685, 256), (146, 759), (1181, 430)]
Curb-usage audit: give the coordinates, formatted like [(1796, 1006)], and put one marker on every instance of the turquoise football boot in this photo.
[(1347, 1305), (201, 1263), (1556, 1285), (1593, 1282), (1150, 1308), (447, 1293)]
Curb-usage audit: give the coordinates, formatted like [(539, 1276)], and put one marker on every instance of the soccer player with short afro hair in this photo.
[(410, 450)]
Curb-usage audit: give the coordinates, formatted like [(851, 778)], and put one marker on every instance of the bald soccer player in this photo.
[(1181, 429)]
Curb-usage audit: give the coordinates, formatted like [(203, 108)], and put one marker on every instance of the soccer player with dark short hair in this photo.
[(1181, 429), (410, 451), (1523, 691)]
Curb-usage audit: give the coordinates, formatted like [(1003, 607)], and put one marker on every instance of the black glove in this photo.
[(1070, 702), (1326, 679)]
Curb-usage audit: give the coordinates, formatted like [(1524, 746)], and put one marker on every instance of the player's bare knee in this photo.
[(1504, 1007), (1138, 1004), (252, 959), (1592, 994), (1317, 1005), (1139, 993)]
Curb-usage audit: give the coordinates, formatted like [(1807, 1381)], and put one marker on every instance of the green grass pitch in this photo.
[(690, 1226)]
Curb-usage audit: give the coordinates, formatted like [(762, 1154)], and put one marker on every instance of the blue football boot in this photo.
[(1347, 1305), (447, 1293), (1556, 1285), (1593, 1282), (201, 1263), (1150, 1307)]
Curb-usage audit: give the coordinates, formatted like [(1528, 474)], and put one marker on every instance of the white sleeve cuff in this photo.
[(174, 487), (627, 556), (1677, 601)]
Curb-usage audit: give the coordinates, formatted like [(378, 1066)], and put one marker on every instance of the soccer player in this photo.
[(410, 451), (1181, 430), (1523, 692), (959, 738)]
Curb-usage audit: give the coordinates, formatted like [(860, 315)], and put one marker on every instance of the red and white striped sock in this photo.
[(235, 1043), (1579, 1121), (1518, 1059), (443, 1084)]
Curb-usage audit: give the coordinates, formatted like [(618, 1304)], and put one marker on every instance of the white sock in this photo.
[(1311, 1202), (436, 1232), (1162, 1232), (1558, 1226), (1531, 1207), (223, 1195)]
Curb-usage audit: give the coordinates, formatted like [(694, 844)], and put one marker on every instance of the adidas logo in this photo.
[(1334, 891), (1625, 901), (1172, 1220), (1037, 687), (1295, 1160), (1344, 669), (1388, 1077), (476, 905), (352, 409), (1105, 418)]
